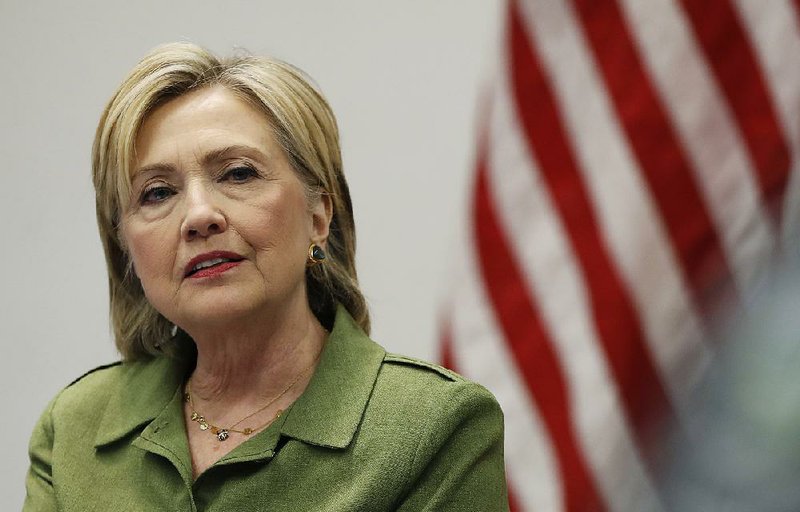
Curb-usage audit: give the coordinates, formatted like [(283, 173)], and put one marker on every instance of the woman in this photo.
[(247, 380)]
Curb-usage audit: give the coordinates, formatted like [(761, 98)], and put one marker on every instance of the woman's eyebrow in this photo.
[(151, 168), (216, 155)]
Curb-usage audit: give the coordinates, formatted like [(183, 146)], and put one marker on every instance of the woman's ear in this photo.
[(321, 216)]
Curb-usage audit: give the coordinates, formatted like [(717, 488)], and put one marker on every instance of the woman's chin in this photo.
[(219, 310)]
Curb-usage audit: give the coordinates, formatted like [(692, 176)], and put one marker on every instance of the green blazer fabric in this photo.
[(373, 431)]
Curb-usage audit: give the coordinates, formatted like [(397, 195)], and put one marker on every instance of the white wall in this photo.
[(402, 76)]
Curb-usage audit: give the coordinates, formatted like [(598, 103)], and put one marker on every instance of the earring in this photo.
[(316, 254), (174, 330)]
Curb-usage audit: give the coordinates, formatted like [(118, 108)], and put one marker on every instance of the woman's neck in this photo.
[(241, 366)]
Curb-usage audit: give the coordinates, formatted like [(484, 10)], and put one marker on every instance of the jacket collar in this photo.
[(326, 414), (330, 409), (143, 392)]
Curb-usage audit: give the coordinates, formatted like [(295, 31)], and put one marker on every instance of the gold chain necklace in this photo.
[(223, 433)]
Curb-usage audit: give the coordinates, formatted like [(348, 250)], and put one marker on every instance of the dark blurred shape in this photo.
[(744, 422)]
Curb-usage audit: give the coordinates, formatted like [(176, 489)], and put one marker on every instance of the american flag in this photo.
[(634, 176)]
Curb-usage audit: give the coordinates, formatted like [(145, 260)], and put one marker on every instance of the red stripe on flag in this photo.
[(620, 334), (659, 153), (513, 502), (732, 59), (523, 332), (446, 355)]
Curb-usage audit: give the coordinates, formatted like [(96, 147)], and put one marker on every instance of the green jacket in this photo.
[(373, 431)]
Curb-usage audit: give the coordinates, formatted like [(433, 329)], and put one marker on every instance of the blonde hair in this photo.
[(303, 125)]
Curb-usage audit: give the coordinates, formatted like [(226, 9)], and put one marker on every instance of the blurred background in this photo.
[(402, 77)]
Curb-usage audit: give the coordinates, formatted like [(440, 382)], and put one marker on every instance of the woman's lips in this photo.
[(214, 270), (209, 261)]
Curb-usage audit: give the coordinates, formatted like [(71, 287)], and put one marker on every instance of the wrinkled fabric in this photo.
[(372, 431)]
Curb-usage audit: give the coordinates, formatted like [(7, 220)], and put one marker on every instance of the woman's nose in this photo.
[(203, 216)]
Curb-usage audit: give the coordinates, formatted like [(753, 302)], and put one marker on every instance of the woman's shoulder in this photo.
[(413, 373), (98, 374), (409, 384), (94, 403), (93, 384), (93, 388), (442, 431), (420, 366)]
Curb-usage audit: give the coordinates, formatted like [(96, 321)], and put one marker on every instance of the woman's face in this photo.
[(219, 224)]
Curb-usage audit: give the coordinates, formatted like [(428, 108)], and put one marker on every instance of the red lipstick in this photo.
[(211, 263)]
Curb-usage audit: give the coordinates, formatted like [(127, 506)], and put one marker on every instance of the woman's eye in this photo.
[(240, 174), (156, 194)]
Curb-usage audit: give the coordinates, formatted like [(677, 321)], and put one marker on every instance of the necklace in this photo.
[(223, 433)]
